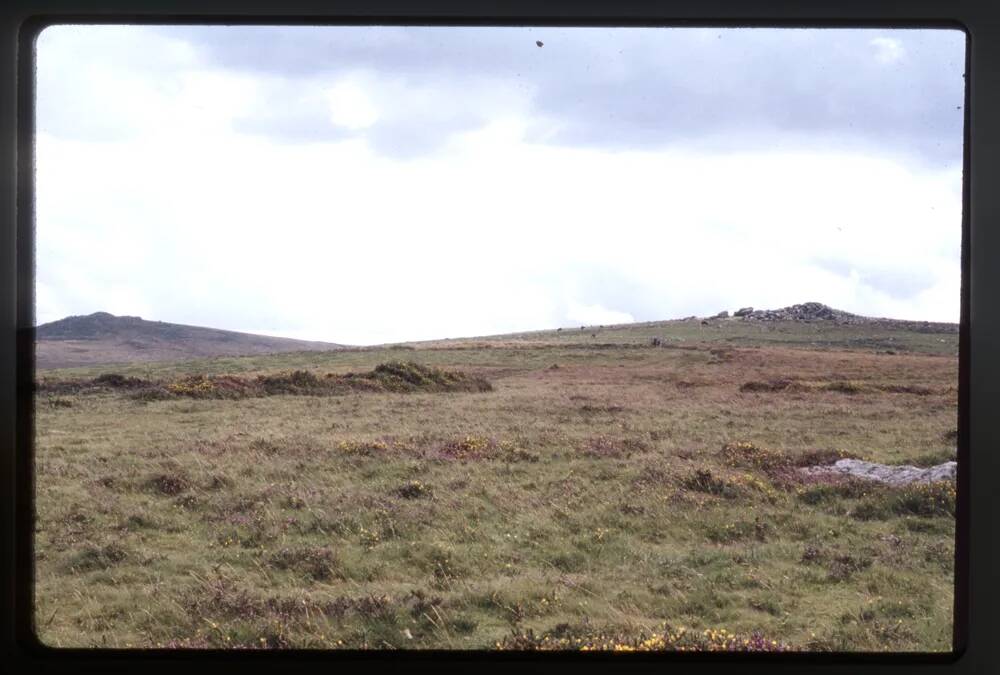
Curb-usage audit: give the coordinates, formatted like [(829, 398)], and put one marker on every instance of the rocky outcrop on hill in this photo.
[(809, 312), (884, 473)]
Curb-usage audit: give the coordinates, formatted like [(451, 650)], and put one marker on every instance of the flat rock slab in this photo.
[(885, 473)]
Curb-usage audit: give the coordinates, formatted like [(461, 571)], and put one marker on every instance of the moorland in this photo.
[(610, 487)]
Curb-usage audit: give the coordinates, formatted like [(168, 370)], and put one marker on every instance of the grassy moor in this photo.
[(631, 487)]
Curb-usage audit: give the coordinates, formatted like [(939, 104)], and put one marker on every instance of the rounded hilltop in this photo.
[(86, 326)]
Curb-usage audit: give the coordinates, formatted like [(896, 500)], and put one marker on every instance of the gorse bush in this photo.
[(484, 448), (748, 455)]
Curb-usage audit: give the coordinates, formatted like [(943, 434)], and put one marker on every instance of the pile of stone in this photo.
[(807, 311), (885, 473)]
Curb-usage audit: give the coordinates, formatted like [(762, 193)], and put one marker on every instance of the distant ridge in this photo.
[(103, 338)]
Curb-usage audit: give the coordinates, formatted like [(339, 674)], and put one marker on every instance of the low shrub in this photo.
[(703, 480), (362, 448), (413, 489), (740, 530), (317, 563), (843, 387), (58, 402), (746, 454), (296, 382), (821, 457), (770, 386), (94, 557), (473, 447), (168, 483), (924, 500), (117, 381), (840, 488), (410, 376), (152, 393), (842, 567)]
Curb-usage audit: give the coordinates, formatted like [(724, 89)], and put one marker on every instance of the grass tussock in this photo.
[(93, 557)]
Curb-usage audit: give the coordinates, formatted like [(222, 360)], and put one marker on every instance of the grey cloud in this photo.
[(627, 89)]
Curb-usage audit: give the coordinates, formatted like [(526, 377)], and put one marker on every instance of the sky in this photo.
[(366, 185)]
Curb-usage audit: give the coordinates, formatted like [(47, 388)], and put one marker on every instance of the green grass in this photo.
[(596, 503)]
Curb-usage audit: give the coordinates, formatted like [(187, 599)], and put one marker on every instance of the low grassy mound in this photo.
[(409, 376), (104, 382), (393, 376), (839, 386)]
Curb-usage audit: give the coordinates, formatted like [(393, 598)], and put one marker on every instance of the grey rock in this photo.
[(885, 473), (721, 315), (743, 311)]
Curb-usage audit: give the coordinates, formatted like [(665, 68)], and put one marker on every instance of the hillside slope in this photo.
[(103, 338)]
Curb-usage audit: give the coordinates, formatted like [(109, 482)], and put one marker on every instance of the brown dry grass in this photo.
[(593, 497)]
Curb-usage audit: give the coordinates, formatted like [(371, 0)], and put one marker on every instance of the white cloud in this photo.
[(188, 219), (888, 50), (596, 315), (350, 106)]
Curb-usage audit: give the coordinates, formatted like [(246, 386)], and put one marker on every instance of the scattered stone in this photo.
[(721, 315), (743, 311), (885, 473)]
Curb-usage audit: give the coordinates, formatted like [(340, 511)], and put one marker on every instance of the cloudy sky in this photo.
[(377, 184)]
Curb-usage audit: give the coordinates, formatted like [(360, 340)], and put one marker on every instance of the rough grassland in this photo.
[(591, 493)]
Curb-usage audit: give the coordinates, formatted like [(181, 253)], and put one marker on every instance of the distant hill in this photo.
[(103, 338)]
